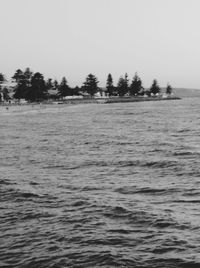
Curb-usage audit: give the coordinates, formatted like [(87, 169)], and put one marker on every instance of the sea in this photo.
[(100, 185)]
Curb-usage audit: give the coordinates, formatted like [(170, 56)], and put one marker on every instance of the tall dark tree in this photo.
[(63, 89), (168, 89), (5, 94), (18, 75), (49, 84), (122, 85), (76, 90), (136, 85), (2, 78), (154, 89), (90, 84), (55, 84), (28, 74), (109, 85), (37, 91), (22, 80), (126, 81)]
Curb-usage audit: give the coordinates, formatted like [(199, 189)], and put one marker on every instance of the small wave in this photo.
[(124, 143), (29, 195), (21, 196), (172, 263), (184, 130), (164, 249), (160, 164), (187, 153), (118, 211), (90, 188), (120, 163), (55, 166), (93, 259), (32, 215), (120, 231), (33, 183), (163, 223), (4, 182), (79, 203), (141, 163), (135, 217), (146, 190), (187, 201)]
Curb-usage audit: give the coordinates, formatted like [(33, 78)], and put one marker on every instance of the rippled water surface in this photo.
[(100, 185)]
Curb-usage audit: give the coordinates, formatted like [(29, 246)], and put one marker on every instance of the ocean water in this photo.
[(100, 185)]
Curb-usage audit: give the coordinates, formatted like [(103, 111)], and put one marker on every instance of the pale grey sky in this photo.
[(156, 38)]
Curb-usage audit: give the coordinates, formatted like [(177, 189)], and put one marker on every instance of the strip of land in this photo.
[(96, 100), (138, 99)]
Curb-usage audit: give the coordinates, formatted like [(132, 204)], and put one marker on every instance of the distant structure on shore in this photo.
[(26, 86)]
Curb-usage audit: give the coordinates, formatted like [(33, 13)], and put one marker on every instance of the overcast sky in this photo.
[(156, 38)]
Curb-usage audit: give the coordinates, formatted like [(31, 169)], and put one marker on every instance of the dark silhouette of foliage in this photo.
[(18, 75), (5, 94), (55, 84), (37, 91), (63, 89), (32, 86), (49, 84), (76, 90), (109, 85), (28, 74), (168, 89), (136, 86), (90, 85), (122, 86), (2, 78), (23, 83), (147, 92), (155, 89), (115, 91)]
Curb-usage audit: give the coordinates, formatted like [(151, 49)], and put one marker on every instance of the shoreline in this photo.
[(139, 99), (93, 100)]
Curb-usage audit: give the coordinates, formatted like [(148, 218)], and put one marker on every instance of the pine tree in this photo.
[(49, 84), (18, 76), (76, 90), (136, 85), (28, 74), (63, 89), (37, 91), (126, 81), (5, 92), (155, 89), (90, 85), (109, 85), (168, 89), (2, 78), (23, 83), (122, 85), (55, 84)]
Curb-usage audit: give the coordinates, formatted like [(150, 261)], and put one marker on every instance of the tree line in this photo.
[(33, 87)]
